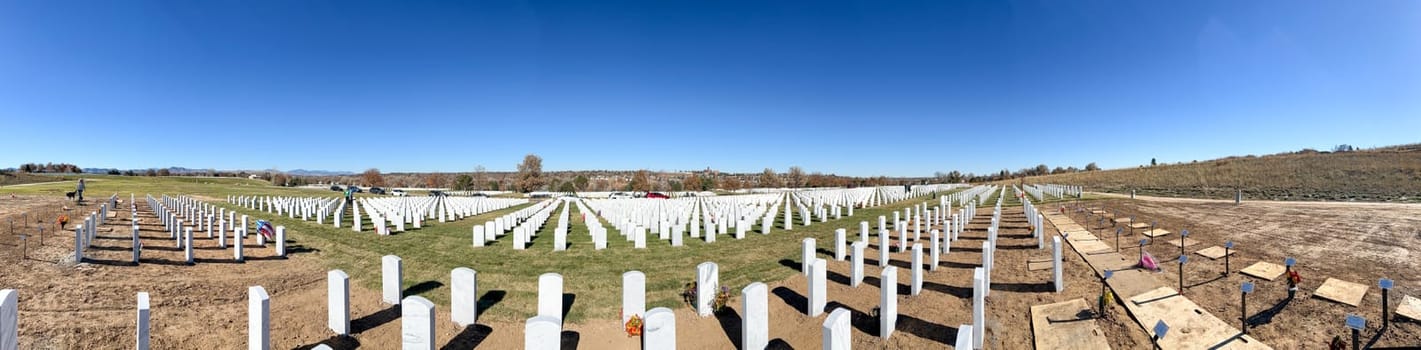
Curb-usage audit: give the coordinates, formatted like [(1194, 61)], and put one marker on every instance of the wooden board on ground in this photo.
[(1122, 220), (1410, 308), (1035, 265), (1139, 225), (1091, 247), (1187, 242), (1066, 325), (1215, 252), (1097, 212), (1109, 261), (112, 214), (1155, 232), (1069, 227), (1190, 327), (1265, 270), (1341, 291)]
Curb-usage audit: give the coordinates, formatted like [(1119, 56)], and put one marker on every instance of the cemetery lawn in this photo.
[(507, 278)]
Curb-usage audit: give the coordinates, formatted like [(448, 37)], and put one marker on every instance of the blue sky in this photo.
[(898, 88)]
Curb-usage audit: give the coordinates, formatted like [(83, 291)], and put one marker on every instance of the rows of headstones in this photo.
[(181, 215), (85, 232), (387, 214), (1040, 191), (939, 245), (523, 224)]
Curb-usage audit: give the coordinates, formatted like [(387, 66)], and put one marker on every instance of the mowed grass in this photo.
[(508, 278)]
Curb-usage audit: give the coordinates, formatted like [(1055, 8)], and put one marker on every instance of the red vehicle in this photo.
[(656, 195)]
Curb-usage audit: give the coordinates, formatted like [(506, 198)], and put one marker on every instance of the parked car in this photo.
[(478, 194), (619, 195), (436, 193), (337, 188), (657, 195), (355, 189), (399, 193), (377, 190)]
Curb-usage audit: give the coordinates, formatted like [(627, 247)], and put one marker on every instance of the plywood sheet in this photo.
[(1122, 220), (1410, 308), (1155, 232), (1038, 265), (1139, 225), (1190, 327), (1265, 270), (1066, 325), (1341, 291), (1215, 252), (1187, 242)]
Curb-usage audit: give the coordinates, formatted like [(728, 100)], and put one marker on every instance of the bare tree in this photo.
[(795, 177), (372, 177), (530, 173), (480, 177), (641, 181), (768, 179)]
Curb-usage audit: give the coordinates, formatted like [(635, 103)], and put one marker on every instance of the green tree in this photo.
[(463, 182), (568, 187), (580, 182)]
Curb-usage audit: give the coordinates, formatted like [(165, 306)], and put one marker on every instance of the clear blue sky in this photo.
[(898, 88)]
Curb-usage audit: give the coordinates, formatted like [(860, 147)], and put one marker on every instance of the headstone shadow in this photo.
[(927, 330), (570, 339), (360, 325), (567, 300), (469, 338), (862, 321), (791, 264), (421, 288), (794, 299), (732, 324), (489, 299), (960, 292), (1027, 287)]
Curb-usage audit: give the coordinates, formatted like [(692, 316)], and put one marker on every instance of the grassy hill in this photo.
[(1390, 174)]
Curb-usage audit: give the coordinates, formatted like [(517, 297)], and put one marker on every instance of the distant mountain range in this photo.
[(184, 171)]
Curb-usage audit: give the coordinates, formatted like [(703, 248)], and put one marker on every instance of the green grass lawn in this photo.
[(506, 275)]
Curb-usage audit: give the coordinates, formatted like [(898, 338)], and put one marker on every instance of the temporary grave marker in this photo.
[(1227, 246), (1182, 259), (1385, 285), (1160, 330), (1357, 324), (1183, 234), (1142, 249), (416, 323), (1246, 287), (1117, 240), (755, 332), (1103, 298)]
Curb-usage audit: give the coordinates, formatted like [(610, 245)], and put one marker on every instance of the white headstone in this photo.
[(1060, 283), (707, 284), (141, 335), (338, 302), (857, 268), (840, 244), (818, 288), (633, 295), (550, 296), (837, 333), (464, 296), (258, 319), (806, 255), (934, 249), (391, 275), (755, 327), (659, 330), (887, 302), (883, 248), (917, 278), (542, 333), (979, 296), (416, 324), (9, 319), (280, 241)]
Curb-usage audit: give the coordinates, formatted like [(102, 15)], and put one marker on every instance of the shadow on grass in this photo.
[(490, 299), (421, 288)]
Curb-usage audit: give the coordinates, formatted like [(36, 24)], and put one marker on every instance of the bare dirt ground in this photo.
[(1355, 242)]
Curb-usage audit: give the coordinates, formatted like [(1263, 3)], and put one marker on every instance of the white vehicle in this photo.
[(398, 193), (619, 195)]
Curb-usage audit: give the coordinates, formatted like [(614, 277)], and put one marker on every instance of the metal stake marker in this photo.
[(1108, 274), (1160, 330), (1182, 259), (1227, 245), (1142, 249), (1247, 287), (1117, 240), (1386, 285), (1356, 323)]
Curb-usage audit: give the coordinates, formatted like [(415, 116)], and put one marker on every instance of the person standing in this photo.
[(79, 191)]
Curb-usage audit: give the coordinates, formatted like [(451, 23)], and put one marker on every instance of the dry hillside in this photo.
[(1385, 174)]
